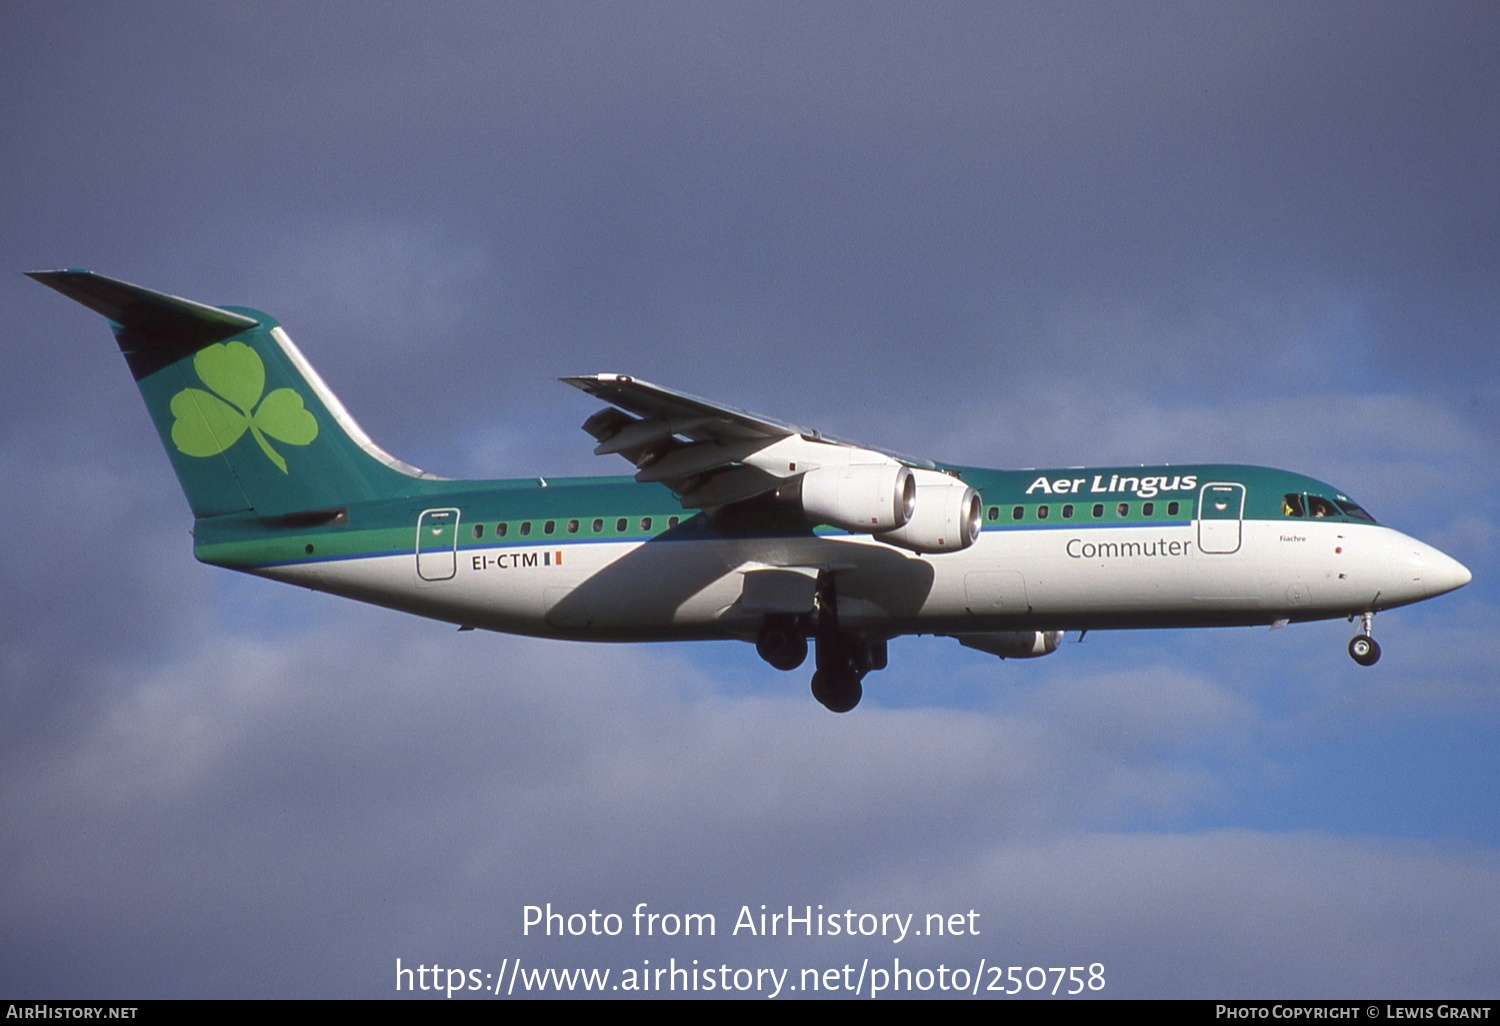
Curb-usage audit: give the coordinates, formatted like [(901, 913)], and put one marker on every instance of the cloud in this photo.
[(416, 788), (1247, 914)]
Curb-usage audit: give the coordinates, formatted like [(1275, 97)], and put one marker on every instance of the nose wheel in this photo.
[(1363, 649)]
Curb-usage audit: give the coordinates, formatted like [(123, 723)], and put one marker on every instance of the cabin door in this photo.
[(437, 544), (1221, 511)]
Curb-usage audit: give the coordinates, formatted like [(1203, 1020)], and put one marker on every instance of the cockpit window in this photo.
[(1319, 507), (1291, 505), (1354, 510)]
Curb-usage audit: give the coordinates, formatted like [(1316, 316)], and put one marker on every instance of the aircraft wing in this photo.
[(708, 453)]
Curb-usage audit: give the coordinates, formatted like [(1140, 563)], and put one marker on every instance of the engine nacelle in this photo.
[(1013, 644), (862, 499), (946, 518)]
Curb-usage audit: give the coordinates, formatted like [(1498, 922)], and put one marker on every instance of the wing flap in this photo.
[(695, 459), (705, 451), (733, 484)]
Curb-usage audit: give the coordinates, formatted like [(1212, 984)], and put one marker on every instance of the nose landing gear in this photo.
[(1363, 649)]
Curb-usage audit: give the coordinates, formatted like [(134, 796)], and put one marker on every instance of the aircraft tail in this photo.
[(247, 422)]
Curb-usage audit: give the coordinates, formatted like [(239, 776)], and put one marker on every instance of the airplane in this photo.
[(734, 525)]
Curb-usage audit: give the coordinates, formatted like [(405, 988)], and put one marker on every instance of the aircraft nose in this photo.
[(1439, 572)]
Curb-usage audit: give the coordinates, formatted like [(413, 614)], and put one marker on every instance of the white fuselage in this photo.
[(1054, 578)]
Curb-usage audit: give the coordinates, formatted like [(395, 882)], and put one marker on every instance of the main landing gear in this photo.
[(1363, 649), (842, 659), (782, 642), (842, 664)]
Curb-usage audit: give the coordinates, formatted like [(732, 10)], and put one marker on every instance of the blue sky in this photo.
[(1023, 235)]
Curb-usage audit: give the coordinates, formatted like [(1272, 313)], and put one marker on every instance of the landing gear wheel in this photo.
[(1363, 650), (781, 647), (838, 690)]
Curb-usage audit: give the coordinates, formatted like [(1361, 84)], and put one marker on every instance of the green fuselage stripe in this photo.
[(590, 510)]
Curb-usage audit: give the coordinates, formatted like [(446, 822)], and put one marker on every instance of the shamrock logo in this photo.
[(208, 423)]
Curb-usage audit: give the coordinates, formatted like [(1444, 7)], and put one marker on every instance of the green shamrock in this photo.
[(208, 423)]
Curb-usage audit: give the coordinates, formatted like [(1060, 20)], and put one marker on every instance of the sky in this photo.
[(1030, 234)]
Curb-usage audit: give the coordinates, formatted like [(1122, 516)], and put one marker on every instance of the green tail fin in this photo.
[(247, 422)]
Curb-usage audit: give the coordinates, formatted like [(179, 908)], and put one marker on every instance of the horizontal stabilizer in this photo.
[(152, 327)]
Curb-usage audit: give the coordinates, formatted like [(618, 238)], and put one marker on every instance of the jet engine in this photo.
[(946, 518), (860, 499), (1013, 644)]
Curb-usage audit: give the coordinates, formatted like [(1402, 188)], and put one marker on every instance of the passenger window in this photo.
[(1068, 512), (1122, 510), (1041, 512), (994, 512), (645, 523), (1148, 509), (1291, 505), (1172, 509), (1098, 510), (548, 527), (479, 530), (525, 528), (598, 524), (500, 530), (621, 524), (1017, 513), (671, 522), (572, 527)]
